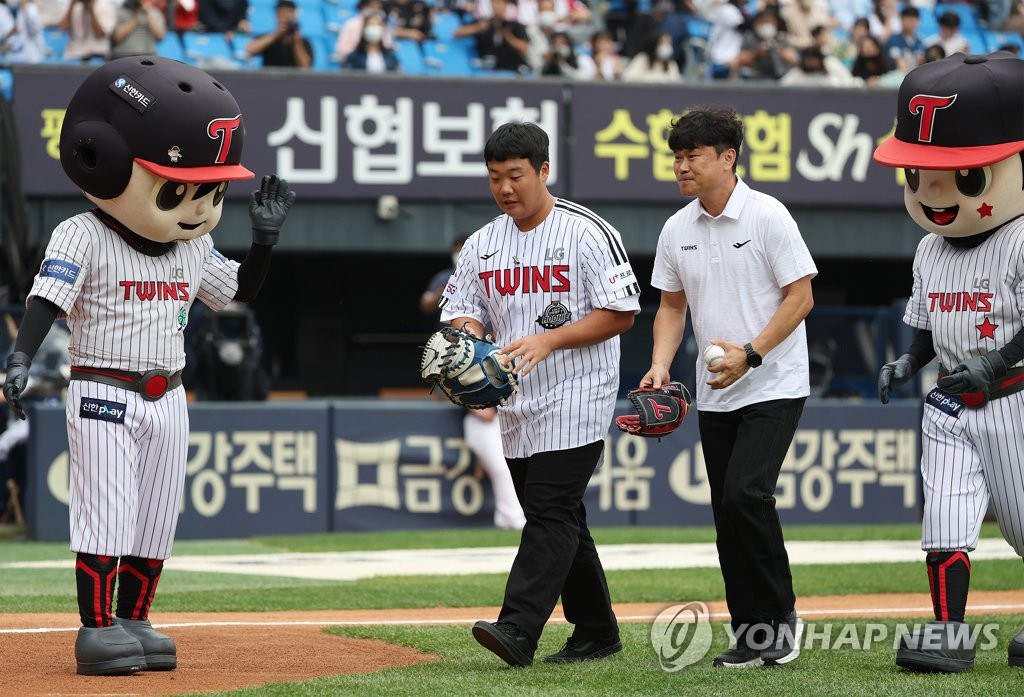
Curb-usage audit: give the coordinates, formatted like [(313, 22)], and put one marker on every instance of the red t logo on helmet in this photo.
[(926, 105), (223, 129)]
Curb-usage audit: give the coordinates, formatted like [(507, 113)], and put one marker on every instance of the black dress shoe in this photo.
[(507, 641), (585, 650)]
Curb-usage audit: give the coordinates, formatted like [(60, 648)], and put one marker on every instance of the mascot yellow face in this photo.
[(153, 143), (959, 138)]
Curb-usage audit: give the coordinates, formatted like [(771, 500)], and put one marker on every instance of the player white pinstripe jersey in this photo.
[(971, 299), (127, 310), (526, 283)]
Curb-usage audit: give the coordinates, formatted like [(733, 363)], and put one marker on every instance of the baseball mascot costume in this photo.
[(960, 139), (153, 144)]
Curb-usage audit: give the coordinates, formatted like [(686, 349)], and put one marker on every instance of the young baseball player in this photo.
[(553, 280), (960, 139), (153, 144)]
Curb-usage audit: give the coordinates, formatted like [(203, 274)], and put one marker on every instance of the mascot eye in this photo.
[(171, 195), (222, 189), (913, 178), (973, 182)]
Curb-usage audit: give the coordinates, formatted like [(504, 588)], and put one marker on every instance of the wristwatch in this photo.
[(753, 357)]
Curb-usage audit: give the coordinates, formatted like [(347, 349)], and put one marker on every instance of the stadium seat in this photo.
[(56, 39), (410, 57), (209, 50), (977, 40), (336, 14), (445, 24), (929, 25), (1003, 38), (455, 57), (170, 47), (262, 19)]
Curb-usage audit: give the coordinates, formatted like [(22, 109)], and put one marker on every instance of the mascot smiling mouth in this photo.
[(940, 216), (189, 226)]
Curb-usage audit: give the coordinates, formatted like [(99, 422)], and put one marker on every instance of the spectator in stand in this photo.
[(185, 16), (766, 54), (814, 71), (871, 63), (846, 12), (654, 62), (949, 36), (501, 44), (411, 19), (51, 11), (726, 39), (540, 34), (934, 52), (884, 20), (224, 16), (141, 25), (562, 60), (352, 30), (370, 54), (607, 61), (21, 32), (1015, 20), (88, 24), (801, 16), (993, 13), (906, 49), (285, 47)]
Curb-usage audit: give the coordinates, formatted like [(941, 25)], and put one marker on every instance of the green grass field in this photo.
[(465, 668)]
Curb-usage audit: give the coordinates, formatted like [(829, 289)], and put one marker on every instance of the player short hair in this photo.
[(517, 140), (717, 126)]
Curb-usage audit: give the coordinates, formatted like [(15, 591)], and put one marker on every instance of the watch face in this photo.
[(753, 357)]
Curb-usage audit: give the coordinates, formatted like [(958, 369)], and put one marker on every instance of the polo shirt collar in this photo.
[(736, 200)]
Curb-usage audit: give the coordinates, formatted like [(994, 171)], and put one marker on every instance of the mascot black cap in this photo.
[(959, 112), (173, 119)]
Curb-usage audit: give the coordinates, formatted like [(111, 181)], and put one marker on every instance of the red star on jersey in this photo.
[(985, 211), (987, 330)]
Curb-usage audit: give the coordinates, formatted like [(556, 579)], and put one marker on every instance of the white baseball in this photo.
[(713, 355)]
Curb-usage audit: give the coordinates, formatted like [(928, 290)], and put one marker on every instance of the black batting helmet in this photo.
[(173, 119)]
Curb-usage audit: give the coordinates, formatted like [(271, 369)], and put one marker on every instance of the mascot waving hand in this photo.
[(960, 139), (152, 143)]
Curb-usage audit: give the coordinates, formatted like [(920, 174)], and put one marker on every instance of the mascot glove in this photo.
[(894, 374), (974, 374), (18, 364), (268, 209)]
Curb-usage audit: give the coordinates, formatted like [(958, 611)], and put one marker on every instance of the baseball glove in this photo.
[(659, 410), (467, 369)]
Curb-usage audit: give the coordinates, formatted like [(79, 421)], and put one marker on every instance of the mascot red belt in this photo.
[(960, 140), (152, 143)]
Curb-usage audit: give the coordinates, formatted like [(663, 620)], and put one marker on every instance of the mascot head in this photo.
[(153, 143), (959, 136)]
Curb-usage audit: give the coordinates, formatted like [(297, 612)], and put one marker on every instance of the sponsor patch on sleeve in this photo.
[(945, 402), (60, 269), (102, 410)]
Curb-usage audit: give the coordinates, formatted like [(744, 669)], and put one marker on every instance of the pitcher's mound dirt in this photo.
[(224, 651)]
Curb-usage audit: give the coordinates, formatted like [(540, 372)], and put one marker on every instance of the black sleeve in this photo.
[(35, 325), (252, 271), (922, 350), (1013, 352)]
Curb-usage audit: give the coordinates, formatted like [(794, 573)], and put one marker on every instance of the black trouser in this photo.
[(557, 555), (743, 452)]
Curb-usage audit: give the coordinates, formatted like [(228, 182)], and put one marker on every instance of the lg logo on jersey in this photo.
[(102, 410)]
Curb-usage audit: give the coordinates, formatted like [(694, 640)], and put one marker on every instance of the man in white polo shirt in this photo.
[(735, 258)]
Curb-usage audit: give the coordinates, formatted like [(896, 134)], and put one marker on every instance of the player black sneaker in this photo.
[(739, 656), (938, 647), (786, 647), (1015, 651), (585, 650), (507, 641)]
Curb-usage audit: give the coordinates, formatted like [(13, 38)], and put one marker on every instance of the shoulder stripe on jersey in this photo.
[(618, 251)]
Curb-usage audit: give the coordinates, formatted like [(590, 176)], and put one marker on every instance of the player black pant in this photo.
[(743, 451), (557, 555)]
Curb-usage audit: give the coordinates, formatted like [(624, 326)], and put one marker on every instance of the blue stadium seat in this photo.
[(323, 47), (445, 24), (336, 14), (1003, 38), (209, 50), (977, 40), (410, 57), (170, 47), (455, 57), (929, 25), (56, 39), (262, 19)]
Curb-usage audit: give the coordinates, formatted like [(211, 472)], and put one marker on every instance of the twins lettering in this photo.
[(155, 290), (527, 279)]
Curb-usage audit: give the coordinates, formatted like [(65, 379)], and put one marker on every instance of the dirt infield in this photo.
[(223, 651)]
